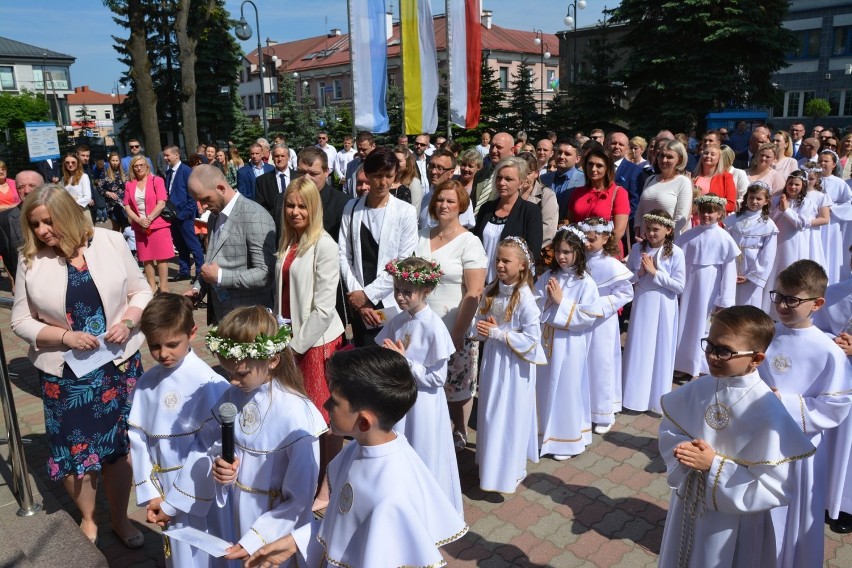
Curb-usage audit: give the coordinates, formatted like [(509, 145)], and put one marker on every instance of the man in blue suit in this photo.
[(627, 174), (248, 174), (183, 227)]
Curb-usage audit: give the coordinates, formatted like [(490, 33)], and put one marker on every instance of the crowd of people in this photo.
[(373, 292)]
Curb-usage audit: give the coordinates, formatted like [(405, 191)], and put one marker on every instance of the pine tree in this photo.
[(522, 113), (560, 117), (492, 100)]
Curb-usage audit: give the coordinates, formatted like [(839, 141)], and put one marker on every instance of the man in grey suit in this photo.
[(241, 250)]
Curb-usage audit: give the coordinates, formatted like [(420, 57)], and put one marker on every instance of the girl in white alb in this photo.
[(567, 297), (711, 281), (508, 321), (839, 193), (615, 290), (659, 274), (418, 334), (756, 235)]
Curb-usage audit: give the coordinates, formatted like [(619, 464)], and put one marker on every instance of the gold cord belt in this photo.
[(273, 494), (157, 468)]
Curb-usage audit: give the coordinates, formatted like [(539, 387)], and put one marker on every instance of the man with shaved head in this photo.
[(501, 147), (11, 236), (241, 250)]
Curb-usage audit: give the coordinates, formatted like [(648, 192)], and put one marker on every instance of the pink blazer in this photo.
[(41, 288), (155, 190)]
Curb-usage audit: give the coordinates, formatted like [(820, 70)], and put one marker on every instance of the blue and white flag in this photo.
[(369, 53)]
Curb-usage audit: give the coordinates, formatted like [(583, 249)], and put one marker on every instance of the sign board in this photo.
[(42, 141)]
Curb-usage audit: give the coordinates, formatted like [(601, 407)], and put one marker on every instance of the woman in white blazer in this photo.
[(306, 280), (375, 229), (77, 287)]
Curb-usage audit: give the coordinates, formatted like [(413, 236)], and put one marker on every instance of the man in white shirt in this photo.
[(248, 174), (344, 156), (271, 184), (543, 153), (364, 145), (421, 145), (322, 144), (441, 168), (797, 135), (484, 147)]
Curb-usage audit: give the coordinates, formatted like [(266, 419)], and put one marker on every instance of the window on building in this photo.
[(251, 102), (7, 78), (847, 103), (338, 89), (321, 95), (792, 106), (551, 76), (108, 115), (258, 101), (834, 97), (306, 91), (807, 45), (842, 41), (391, 79), (504, 78)]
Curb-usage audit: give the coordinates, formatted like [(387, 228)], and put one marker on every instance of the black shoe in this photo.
[(843, 524), (180, 277)]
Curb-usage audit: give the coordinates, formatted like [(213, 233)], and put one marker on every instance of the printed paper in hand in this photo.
[(212, 545), (83, 362)]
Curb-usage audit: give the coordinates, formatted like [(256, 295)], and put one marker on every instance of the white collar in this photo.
[(229, 208)]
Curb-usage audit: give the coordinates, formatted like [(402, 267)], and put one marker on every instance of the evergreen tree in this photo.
[(245, 132), (523, 105), (693, 57), (492, 100), (560, 117)]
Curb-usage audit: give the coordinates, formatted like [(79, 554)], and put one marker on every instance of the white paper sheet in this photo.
[(83, 362), (212, 545)]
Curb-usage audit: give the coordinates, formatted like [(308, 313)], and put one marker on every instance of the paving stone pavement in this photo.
[(603, 508)]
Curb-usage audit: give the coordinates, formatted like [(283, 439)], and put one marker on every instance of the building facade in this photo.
[(93, 114)]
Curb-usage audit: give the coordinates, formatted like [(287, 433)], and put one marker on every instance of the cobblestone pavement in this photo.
[(603, 508)]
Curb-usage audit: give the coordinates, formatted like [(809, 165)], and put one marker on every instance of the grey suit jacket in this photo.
[(244, 248)]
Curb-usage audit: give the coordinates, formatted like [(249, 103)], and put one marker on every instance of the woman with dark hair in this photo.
[(600, 197), (111, 187), (406, 175), (375, 228)]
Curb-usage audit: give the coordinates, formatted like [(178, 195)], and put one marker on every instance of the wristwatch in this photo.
[(128, 323)]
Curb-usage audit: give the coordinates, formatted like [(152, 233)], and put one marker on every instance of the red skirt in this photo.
[(312, 365)]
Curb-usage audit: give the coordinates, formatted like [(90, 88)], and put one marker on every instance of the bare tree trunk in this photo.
[(187, 59), (141, 73)]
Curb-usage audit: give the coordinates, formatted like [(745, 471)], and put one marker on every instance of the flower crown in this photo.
[(761, 185), (526, 250), (813, 170), (712, 199), (430, 276), (600, 226), (263, 347), (581, 236), (832, 152), (659, 220), (802, 174)]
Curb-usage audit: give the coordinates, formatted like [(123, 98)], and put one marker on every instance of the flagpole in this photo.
[(449, 74), (402, 131), (351, 62)]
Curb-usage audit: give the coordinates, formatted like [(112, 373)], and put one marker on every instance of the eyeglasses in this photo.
[(140, 166), (790, 301), (831, 146), (134, 146), (322, 137), (70, 163), (722, 353), (437, 168), (723, 132)]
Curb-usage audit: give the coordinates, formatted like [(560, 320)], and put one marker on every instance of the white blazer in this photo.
[(314, 277), (398, 240)]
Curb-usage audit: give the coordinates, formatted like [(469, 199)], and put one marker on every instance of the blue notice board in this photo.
[(42, 141)]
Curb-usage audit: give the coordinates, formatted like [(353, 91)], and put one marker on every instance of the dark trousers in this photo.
[(183, 235)]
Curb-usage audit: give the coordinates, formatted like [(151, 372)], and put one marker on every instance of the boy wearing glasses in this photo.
[(729, 448), (812, 378)]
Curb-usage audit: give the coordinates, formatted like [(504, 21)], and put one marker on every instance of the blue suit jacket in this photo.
[(246, 182), (179, 194), (630, 177)]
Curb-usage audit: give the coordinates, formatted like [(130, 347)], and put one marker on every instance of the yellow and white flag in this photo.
[(419, 66)]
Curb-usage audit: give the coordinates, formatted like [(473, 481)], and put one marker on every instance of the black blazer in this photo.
[(50, 171), (524, 221), (266, 190), (333, 201)]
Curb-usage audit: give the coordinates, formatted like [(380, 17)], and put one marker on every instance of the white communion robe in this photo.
[(758, 239), (794, 232), (721, 518), (427, 427), (385, 511), (276, 438), (507, 432), (711, 281), (834, 318), (604, 367), (837, 235), (649, 351), (562, 386), (813, 378), (170, 406)]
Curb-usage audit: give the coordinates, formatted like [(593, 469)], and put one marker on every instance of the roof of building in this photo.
[(324, 51), (85, 96), (17, 49)]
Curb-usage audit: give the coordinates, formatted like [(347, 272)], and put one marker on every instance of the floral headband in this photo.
[(709, 198), (526, 250), (263, 347), (832, 152), (761, 185), (600, 226), (430, 276), (801, 174), (659, 220), (581, 236)]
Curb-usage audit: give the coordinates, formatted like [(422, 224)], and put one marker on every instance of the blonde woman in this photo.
[(234, 164), (75, 284), (636, 149), (845, 153), (76, 182), (784, 163), (306, 279)]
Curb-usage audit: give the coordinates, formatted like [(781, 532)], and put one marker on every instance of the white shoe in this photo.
[(603, 428), (561, 457)]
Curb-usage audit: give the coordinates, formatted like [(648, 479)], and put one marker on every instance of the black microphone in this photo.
[(227, 417)]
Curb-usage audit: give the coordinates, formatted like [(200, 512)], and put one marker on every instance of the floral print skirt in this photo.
[(462, 370)]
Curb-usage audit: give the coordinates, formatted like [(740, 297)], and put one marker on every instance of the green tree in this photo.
[(492, 100), (293, 118), (15, 110), (523, 104), (560, 116), (817, 108), (691, 57), (245, 132)]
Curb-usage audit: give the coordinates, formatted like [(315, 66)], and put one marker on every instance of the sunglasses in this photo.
[(134, 147)]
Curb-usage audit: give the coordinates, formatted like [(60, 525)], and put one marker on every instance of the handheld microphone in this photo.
[(227, 417)]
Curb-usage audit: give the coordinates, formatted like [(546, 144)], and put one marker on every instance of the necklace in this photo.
[(717, 415), (442, 237)]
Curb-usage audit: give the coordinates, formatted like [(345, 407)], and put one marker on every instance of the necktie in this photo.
[(282, 182), (559, 179), (169, 174)]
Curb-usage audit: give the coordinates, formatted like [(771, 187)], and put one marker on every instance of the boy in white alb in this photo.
[(729, 447), (386, 510), (171, 403), (813, 378)]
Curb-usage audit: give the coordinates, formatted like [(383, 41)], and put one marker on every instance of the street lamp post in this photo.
[(571, 22), (545, 54), (243, 32)]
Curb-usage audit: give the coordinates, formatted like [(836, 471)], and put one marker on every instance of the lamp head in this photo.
[(537, 40), (243, 29), (581, 4), (569, 21), (547, 55)]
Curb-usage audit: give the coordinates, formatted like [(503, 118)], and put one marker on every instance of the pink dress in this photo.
[(155, 242)]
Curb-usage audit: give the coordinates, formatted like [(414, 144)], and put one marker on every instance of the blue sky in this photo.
[(83, 29)]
